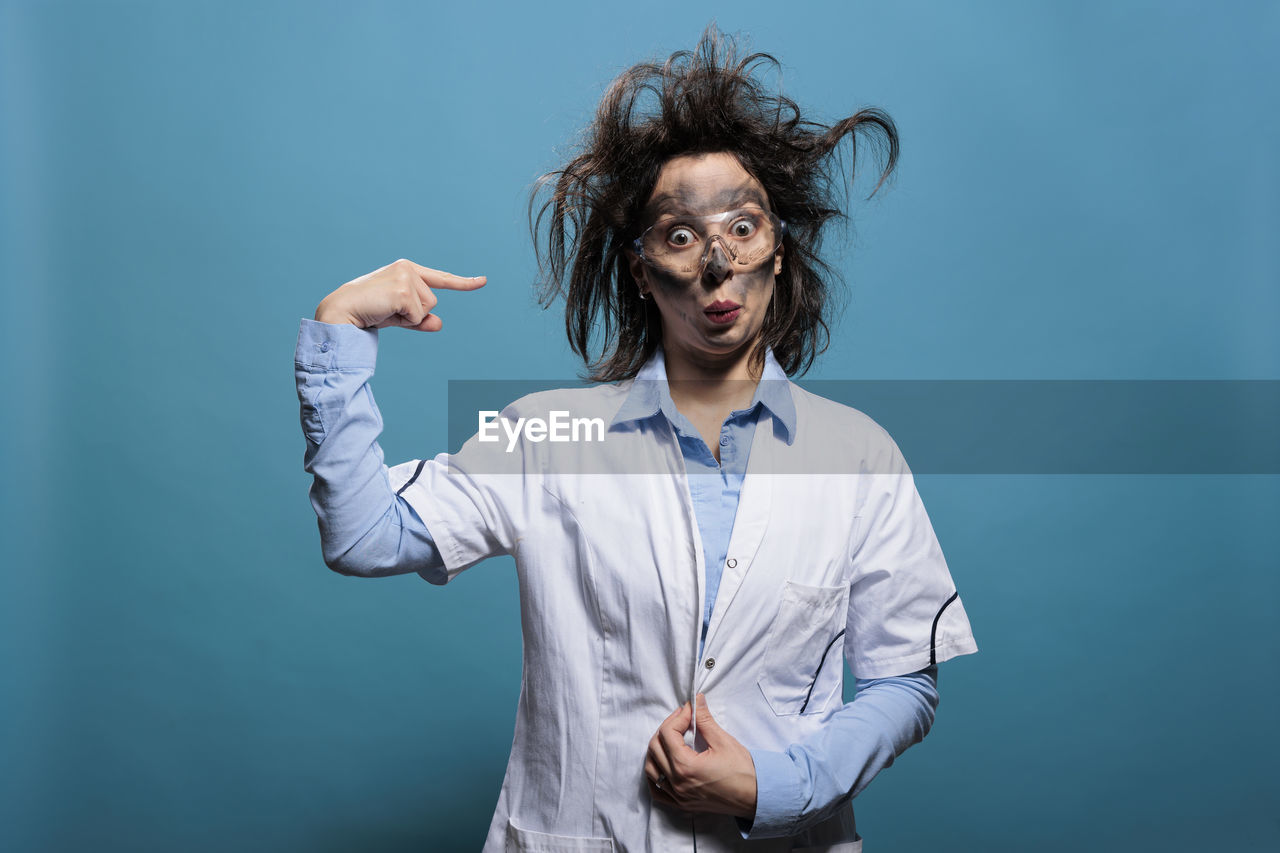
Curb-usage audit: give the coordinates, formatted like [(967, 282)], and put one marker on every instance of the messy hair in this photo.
[(701, 101)]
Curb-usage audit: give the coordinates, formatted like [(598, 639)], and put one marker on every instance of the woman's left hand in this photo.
[(722, 779)]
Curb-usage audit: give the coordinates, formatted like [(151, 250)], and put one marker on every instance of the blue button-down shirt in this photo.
[(366, 529), (713, 486)]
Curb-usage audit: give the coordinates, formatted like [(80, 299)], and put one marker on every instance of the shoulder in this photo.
[(850, 439), (589, 401), (562, 431)]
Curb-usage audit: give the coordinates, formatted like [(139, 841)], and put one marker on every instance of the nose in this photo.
[(718, 264)]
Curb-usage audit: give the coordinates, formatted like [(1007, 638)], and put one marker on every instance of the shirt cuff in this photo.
[(779, 796), (335, 346)]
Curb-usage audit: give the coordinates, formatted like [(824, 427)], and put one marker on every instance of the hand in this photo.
[(721, 779), (399, 294)]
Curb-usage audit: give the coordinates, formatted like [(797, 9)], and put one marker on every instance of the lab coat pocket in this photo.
[(527, 841), (803, 643)]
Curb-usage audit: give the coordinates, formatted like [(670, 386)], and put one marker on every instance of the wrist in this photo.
[(326, 312)]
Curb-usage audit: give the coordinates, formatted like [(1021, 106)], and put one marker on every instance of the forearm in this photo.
[(365, 528), (811, 779)]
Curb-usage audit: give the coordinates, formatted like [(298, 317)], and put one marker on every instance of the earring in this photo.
[(643, 295)]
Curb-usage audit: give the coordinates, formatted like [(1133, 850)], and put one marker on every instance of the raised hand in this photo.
[(398, 294)]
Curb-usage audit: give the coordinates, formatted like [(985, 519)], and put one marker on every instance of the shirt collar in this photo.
[(649, 393)]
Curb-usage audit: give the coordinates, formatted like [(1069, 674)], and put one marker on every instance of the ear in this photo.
[(636, 267), (777, 261)]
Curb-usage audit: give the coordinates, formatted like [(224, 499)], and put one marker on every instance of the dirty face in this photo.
[(713, 314)]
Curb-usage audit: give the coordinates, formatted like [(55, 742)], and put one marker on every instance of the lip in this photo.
[(722, 313), (723, 305)]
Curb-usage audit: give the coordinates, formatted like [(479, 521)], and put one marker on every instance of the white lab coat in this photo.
[(830, 536)]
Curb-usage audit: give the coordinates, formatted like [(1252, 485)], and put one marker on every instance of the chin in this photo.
[(731, 340)]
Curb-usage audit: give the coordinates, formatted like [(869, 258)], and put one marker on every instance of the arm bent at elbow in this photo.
[(366, 530), (810, 780), (396, 544)]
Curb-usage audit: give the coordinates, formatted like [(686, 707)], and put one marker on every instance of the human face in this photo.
[(715, 316)]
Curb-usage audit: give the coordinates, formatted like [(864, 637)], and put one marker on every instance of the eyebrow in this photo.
[(683, 202)]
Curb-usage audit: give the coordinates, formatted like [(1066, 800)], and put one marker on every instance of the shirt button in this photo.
[(324, 346), (724, 441), (711, 663), (731, 563)]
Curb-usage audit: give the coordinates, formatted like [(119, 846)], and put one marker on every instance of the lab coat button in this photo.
[(711, 662), (731, 562)]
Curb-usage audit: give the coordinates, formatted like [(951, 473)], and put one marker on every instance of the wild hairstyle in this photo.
[(702, 101)]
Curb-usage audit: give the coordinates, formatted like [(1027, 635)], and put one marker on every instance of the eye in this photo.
[(681, 236), (744, 227)]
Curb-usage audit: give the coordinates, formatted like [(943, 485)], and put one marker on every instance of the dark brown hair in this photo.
[(705, 100)]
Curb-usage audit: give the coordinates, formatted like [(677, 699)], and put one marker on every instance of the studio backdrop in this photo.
[(1063, 305)]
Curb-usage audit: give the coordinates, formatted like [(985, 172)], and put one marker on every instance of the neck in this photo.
[(716, 381)]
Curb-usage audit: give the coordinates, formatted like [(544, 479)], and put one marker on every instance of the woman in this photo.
[(671, 565)]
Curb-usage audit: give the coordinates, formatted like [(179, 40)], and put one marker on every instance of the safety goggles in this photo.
[(682, 245)]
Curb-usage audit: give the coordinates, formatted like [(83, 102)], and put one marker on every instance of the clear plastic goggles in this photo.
[(682, 245)]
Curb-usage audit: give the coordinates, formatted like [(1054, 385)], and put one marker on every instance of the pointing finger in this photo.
[(447, 280)]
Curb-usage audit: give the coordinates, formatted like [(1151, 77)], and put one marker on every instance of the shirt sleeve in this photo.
[(905, 612), (366, 529), (477, 501), (810, 780)]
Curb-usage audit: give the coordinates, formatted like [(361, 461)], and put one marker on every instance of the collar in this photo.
[(649, 393)]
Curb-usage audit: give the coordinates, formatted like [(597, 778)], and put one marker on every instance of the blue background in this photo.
[(1087, 190)]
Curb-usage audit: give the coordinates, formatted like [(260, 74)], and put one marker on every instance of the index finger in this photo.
[(447, 280), (671, 732)]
